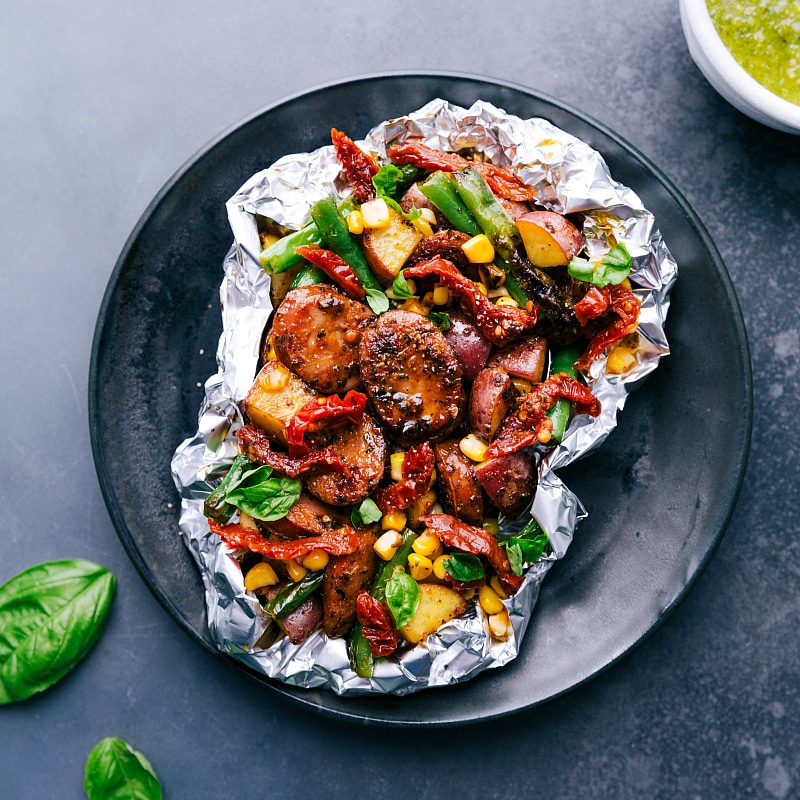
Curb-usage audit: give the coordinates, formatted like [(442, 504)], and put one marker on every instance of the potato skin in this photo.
[(492, 397), (525, 359), (387, 249), (437, 604), (550, 239), (460, 491), (509, 481)]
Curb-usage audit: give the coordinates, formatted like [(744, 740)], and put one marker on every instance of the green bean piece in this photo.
[(440, 189), (309, 275), (293, 595), (563, 361), (280, 256), (338, 238), (362, 662)]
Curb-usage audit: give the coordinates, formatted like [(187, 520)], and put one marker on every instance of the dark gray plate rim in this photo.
[(460, 705)]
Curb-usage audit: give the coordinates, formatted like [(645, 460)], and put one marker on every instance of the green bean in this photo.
[(293, 595), (280, 256), (440, 189), (309, 275), (563, 361)]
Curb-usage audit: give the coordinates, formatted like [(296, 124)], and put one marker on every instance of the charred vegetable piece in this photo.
[(525, 359), (492, 398), (509, 481), (293, 595), (359, 167), (461, 492), (550, 239)]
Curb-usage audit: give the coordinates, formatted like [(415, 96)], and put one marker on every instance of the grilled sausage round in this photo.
[(316, 334), (412, 377), (363, 449)]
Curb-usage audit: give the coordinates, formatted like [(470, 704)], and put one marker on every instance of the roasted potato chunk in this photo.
[(437, 605), (387, 249)]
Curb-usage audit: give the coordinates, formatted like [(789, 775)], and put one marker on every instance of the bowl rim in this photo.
[(730, 73)]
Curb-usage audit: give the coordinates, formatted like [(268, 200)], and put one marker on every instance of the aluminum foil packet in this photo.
[(569, 177)]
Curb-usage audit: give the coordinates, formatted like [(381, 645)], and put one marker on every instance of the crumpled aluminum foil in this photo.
[(569, 177)]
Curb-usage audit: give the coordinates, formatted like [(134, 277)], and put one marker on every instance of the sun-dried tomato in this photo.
[(376, 625), (359, 167), (529, 423), (336, 268), (626, 306), (505, 183), (316, 462), (498, 324), (416, 479), (478, 541), (341, 542), (323, 412), (594, 304)]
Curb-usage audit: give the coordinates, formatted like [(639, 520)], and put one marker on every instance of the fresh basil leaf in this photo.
[(115, 771), (365, 513), (515, 559), (464, 567), (532, 549), (402, 597), (215, 506), (531, 530), (523, 549), (612, 269), (50, 616), (400, 287), (377, 301), (263, 497), (391, 180), (441, 319)]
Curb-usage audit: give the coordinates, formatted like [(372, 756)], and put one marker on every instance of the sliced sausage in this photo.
[(345, 577), (459, 490), (363, 449), (316, 334), (307, 517), (509, 481), (492, 397), (412, 377)]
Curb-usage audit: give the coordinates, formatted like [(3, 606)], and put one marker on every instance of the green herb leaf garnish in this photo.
[(441, 319), (402, 597), (377, 301), (464, 567), (612, 269), (365, 513)]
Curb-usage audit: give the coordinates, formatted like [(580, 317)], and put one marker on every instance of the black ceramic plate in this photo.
[(660, 491)]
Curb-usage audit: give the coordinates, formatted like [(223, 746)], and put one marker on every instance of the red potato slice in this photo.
[(509, 481), (525, 359), (466, 339), (492, 398), (460, 491), (550, 239)]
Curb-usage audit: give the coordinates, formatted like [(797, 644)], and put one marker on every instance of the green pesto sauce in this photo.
[(764, 37)]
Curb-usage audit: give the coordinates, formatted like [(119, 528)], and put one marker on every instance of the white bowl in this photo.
[(725, 74)]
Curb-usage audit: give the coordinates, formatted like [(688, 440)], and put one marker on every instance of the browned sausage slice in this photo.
[(460, 491), (345, 577), (412, 377), (316, 334), (307, 517), (363, 449)]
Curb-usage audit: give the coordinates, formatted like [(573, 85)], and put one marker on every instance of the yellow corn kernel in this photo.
[(396, 465), (521, 385), (507, 300), (423, 226), (473, 448), (468, 594), (434, 476), (395, 521), (481, 287), (414, 305), (500, 625), (375, 213), (620, 360), (489, 599), (296, 571), (494, 582), (387, 544), (246, 521), (492, 525), (260, 575), (355, 222), (427, 299), (626, 284), (276, 379), (479, 249), (428, 214), (419, 567), (426, 544), (441, 295), (316, 560), (438, 567)]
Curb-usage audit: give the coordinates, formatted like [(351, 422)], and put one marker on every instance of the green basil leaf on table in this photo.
[(264, 497), (365, 513), (50, 616), (464, 567), (402, 597), (115, 771)]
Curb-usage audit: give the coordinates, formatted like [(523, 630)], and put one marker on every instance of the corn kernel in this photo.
[(492, 525), (426, 544), (500, 625), (375, 213), (316, 560), (428, 214), (473, 448), (395, 521), (259, 576), (387, 544), (427, 299), (438, 567), (620, 360), (479, 249), (419, 567), (414, 305), (507, 301), (396, 463), (276, 378), (296, 571), (468, 594), (521, 385), (355, 222), (441, 295), (271, 354), (626, 284), (246, 521), (494, 582), (423, 226), (481, 287), (489, 599)]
